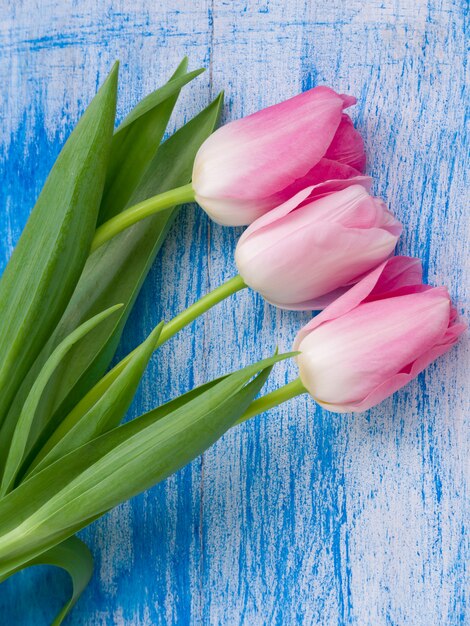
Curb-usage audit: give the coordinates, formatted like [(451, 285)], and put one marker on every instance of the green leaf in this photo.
[(49, 436), (41, 446), (136, 142), (102, 408), (23, 426), (73, 556), (44, 268), (115, 272), (62, 498), (156, 97)]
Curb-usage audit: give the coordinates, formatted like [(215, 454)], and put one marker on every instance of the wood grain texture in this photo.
[(300, 516)]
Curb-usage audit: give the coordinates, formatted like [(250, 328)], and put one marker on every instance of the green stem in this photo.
[(201, 306), (155, 204), (190, 314), (270, 400)]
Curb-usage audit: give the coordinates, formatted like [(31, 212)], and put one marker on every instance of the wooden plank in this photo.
[(300, 517)]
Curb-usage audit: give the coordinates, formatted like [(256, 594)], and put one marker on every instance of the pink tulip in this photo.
[(309, 250), (376, 337), (254, 164)]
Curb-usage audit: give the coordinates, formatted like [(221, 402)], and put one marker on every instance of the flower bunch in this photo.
[(317, 239)]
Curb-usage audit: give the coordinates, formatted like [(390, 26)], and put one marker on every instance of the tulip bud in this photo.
[(254, 164), (376, 337), (309, 250)]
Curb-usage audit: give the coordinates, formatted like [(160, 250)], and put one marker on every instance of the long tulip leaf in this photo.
[(89, 418), (73, 556), (49, 435), (46, 264), (55, 503), (22, 431), (180, 78), (136, 141)]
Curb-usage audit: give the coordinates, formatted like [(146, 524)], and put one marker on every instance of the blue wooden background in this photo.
[(300, 516)]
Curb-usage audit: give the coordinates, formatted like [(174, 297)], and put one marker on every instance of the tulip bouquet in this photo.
[(317, 239)]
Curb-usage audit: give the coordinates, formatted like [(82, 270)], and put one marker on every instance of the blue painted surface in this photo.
[(301, 516)]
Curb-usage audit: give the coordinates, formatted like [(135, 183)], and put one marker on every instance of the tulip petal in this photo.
[(348, 357), (232, 212), (371, 212), (307, 194), (348, 101), (329, 185), (399, 271), (316, 244), (278, 213), (322, 257), (264, 152), (324, 170), (259, 155), (347, 146), (321, 302), (391, 385)]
